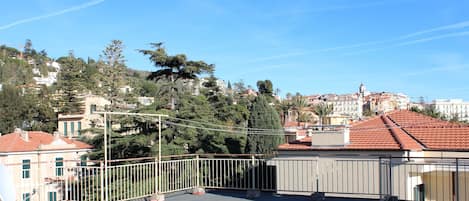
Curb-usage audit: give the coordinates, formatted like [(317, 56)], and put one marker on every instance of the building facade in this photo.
[(452, 108), (35, 160), (71, 125)]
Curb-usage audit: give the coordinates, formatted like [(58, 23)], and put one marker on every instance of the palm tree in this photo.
[(299, 104), (322, 110), (285, 106), (174, 68)]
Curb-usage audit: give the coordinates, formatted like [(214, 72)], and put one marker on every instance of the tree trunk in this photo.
[(173, 101)]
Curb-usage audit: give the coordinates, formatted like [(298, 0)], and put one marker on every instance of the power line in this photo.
[(279, 132)]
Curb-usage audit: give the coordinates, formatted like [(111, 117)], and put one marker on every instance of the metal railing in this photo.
[(129, 179)]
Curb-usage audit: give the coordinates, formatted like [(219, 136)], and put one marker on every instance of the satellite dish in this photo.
[(7, 187)]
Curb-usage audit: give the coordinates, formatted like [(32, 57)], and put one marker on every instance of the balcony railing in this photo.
[(130, 179)]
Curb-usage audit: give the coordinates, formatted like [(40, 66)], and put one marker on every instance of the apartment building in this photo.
[(36, 160), (452, 107)]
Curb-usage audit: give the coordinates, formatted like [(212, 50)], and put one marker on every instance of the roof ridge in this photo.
[(390, 128), (406, 132), (364, 121)]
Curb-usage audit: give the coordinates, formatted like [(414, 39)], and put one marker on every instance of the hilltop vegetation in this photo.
[(205, 116)]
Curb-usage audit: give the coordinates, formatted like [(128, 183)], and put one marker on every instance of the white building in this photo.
[(452, 107), (51, 77), (350, 105), (38, 162)]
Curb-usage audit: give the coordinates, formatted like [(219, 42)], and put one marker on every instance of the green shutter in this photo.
[(26, 196), (52, 196), (26, 168), (72, 128), (59, 163), (79, 128), (65, 129)]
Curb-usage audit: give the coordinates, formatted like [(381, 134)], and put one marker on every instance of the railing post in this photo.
[(197, 169), (380, 176), (156, 175), (457, 179), (253, 171), (253, 192), (390, 176), (101, 178), (66, 182), (198, 190)]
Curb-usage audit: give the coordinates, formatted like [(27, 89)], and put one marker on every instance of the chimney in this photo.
[(23, 134), (346, 134), (310, 132), (56, 135), (332, 137)]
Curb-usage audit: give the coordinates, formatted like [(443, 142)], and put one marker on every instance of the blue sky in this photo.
[(418, 47)]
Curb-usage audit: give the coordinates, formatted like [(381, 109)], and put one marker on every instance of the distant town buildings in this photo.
[(452, 108), (382, 102)]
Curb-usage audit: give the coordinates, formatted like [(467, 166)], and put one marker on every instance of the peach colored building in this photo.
[(71, 125), (36, 159)]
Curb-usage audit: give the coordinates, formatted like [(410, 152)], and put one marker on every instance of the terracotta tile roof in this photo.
[(13, 142), (398, 130)]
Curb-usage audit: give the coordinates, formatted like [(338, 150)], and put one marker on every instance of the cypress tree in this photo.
[(263, 116)]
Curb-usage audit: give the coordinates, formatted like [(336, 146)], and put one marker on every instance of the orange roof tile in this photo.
[(13, 142), (399, 130)]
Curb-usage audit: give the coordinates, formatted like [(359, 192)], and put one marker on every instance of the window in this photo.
[(59, 166), (83, 160), (92, 108), (72, 128), (79, 128), (65, 128), (52, 196), (26, 196), (26, 168)]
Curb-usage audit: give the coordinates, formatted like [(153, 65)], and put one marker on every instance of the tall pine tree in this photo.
[(70, 84), (264, 116)]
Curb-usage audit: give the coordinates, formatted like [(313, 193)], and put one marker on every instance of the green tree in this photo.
[(322, 110), (265, 88), (113, 70), (285, 107), (263, 116), (174, 68), (70, 84), (299, 105), (11, 104)]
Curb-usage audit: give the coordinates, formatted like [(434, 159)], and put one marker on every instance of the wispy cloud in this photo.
[(57, 13), (440, 69), (459, 25), (399, 41), (448, 63)]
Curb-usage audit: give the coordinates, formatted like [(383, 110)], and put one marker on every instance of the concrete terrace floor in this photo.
[(241, 196)]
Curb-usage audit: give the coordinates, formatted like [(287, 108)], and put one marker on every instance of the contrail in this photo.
[(40, 17)]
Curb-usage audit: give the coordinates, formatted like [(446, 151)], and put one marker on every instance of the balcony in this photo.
[(234, 177)]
